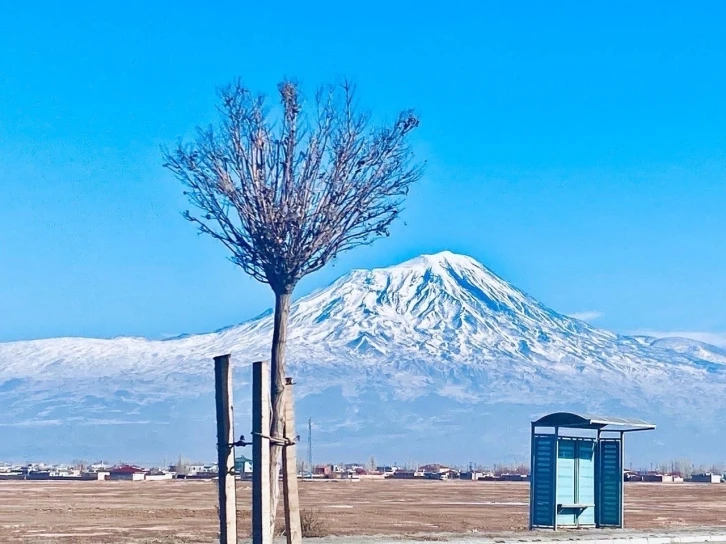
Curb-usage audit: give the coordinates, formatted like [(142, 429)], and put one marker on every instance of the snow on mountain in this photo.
[(395, 361), (691, 348)]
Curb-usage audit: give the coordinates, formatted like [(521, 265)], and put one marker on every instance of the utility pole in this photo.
[(310, 445)]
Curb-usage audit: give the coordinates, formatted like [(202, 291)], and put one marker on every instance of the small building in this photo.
[(159, 476), (706, 478), (127, 472), (437, 471), (193, 470), (656, 477), (347, 475), (324, 471), (407, 474), (372, 476), (661, 478), (242, 465), (65, 472), (99, 475), (201, 472), (435, 468), (514, 477), (38, 475), (203, 476)]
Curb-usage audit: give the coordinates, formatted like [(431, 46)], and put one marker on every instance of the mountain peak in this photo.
[(441, 303), (442, 258), (461, 276)]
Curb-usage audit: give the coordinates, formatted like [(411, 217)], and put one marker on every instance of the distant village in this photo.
[(349, 472), (243, 471)]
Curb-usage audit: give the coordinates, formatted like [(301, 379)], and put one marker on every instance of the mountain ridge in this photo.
[(381, 349)]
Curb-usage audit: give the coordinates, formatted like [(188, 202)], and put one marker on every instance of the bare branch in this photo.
[(285, 198)]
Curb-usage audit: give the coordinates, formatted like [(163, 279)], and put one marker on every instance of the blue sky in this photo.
[(577, 149)]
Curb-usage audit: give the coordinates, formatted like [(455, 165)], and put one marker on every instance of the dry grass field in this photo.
[(185, 511)]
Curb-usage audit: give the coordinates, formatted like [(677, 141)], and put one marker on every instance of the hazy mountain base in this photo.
[(423, 429)]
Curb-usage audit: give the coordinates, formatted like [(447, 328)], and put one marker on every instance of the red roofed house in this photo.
[(126, 472)]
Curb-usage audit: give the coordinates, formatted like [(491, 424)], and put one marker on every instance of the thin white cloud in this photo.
[(587, 316), (713, 338), (32, 423)]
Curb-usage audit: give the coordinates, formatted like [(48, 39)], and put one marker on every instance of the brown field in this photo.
[(185, 511)]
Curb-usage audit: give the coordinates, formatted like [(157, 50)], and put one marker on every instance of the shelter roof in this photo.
[(604, 423)]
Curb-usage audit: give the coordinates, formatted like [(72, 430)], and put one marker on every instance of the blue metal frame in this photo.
[(544, 473)]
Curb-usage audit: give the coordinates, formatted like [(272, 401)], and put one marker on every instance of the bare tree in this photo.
[(287, 191)]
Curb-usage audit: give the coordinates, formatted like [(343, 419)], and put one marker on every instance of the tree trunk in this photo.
[(277, 397)]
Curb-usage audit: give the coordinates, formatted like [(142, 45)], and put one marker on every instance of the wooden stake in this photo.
[(261, 524), (225, 456), (289, 471)]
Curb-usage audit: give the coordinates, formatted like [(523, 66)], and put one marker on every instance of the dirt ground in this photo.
[(185, 511)]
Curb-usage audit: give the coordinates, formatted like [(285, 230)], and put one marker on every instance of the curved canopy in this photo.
[(577, 421)]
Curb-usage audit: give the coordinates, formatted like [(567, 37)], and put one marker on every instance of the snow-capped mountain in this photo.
[(435, 357)]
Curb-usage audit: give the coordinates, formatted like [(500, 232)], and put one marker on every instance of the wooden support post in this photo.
[(261, 525), (289, 471), (225, 452)]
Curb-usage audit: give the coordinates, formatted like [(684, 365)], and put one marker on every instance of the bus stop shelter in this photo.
[(576, 475)]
